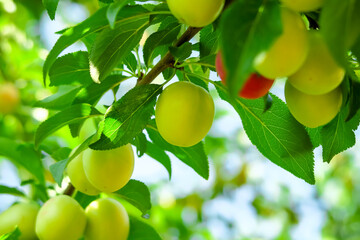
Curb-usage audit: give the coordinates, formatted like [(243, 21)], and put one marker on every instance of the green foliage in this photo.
[(115, 54), (241, 43)]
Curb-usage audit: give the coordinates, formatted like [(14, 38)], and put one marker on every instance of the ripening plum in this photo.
[(303, 5), (313, 110), (22, 215), (76, 173), (320, 73), (107, 219), (9, 98), (256, 86), (60, 218), (196, 13), (289, 50), (184, 114), (109, 170)]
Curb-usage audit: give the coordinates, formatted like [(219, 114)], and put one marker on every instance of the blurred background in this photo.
[(246, 197)]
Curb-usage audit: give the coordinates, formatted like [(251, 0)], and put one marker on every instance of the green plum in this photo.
[(60, 218), (184, 114), (22, 215), (107, 219)]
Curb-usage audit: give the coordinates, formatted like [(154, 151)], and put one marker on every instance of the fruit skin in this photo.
[(60, 218), (77, 176), (313, 110), (256, 86), (289, 50), (109, 170), (320, 73), (107, 219), (22, 215), (9, 98), (303, 5), (184, 114), (196, 13)]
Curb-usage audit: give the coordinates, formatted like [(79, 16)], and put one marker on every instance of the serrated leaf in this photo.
[(192, 72), (93, 24), (336, 136), (113, 10), (182, 52), (276, 134), (194, 156), (72, 68), (157, 39), (315, 136), (128, 117), (68, 116), (336, 23), (137, 194), (24, 155), (113, 45), (11, 191), (246, 29), (140, 230), (50, 6), (63, 98)]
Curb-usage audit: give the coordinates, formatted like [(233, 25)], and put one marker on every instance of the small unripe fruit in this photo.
[(61, 218), (289, 50), (9, 98), (109, 170), (77, 176), (22, 215), (196, 13), (256, 86), (303, 5), (313, 110), (107, 219), (184, 114), (320, 73)]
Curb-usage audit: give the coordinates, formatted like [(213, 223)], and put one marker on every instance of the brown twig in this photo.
[(69, 190)]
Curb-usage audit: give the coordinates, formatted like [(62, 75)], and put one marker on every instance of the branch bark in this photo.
[(168, 59)]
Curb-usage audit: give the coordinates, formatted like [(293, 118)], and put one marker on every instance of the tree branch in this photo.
[(69, 190), (168, 59)]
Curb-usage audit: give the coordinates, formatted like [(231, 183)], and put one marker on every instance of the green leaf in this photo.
[(11, 191), (246, 29), (83, 199), (315, 136), (141, 144), (92, 93), (209, 41), (337, 136), (131, 62), (72, 68), (14, 235), (24, 155), (276, 134), (137, 194), (113, 10), (57, 169), (160, 38), (128, 117), (182, 52), (93, 24), (140, 230), (70, 115), (63, 98), (194, 156), (155, 152), (113, 45), (51, 6), (339, 22)]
